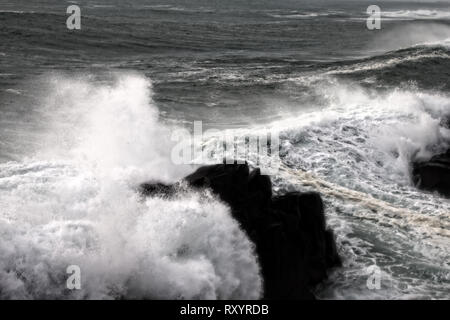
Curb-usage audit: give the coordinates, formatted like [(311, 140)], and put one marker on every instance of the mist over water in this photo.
[(87, 116)]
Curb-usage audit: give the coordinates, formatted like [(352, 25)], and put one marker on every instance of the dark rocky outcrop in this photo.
[(433, 175), (294, 247)]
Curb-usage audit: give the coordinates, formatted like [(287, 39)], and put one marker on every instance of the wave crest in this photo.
[(81, 208)]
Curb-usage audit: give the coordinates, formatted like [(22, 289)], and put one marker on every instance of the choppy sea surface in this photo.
[(87, 115)]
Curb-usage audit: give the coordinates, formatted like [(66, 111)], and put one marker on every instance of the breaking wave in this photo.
[(364, 141), (73, 201)]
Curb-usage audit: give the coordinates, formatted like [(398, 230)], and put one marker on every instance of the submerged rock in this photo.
[(434, 174), (294, 248)]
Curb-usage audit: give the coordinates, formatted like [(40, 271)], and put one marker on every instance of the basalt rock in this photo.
[(433, 175), (294, 248)]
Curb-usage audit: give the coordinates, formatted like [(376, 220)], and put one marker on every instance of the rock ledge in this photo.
[(294, 248)]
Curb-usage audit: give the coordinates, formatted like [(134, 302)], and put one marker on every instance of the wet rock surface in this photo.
[(294, 247)]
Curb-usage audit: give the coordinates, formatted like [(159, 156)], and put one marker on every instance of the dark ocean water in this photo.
[(352, 106), (204, 55)]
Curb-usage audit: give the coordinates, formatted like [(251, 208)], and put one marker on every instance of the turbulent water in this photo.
[(87, 115)]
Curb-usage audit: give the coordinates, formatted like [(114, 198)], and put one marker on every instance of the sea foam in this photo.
[(74, 202)]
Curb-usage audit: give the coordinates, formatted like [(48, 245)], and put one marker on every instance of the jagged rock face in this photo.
[(433, 175), (294, 248)]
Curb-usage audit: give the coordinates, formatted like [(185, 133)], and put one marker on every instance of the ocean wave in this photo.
[(417, 14), (171, 8), (424, 53), (364, 141), (13, 91), (421, 60), (74, 202), (102, 6), (17, 11), (78, 202), (305, 15)]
